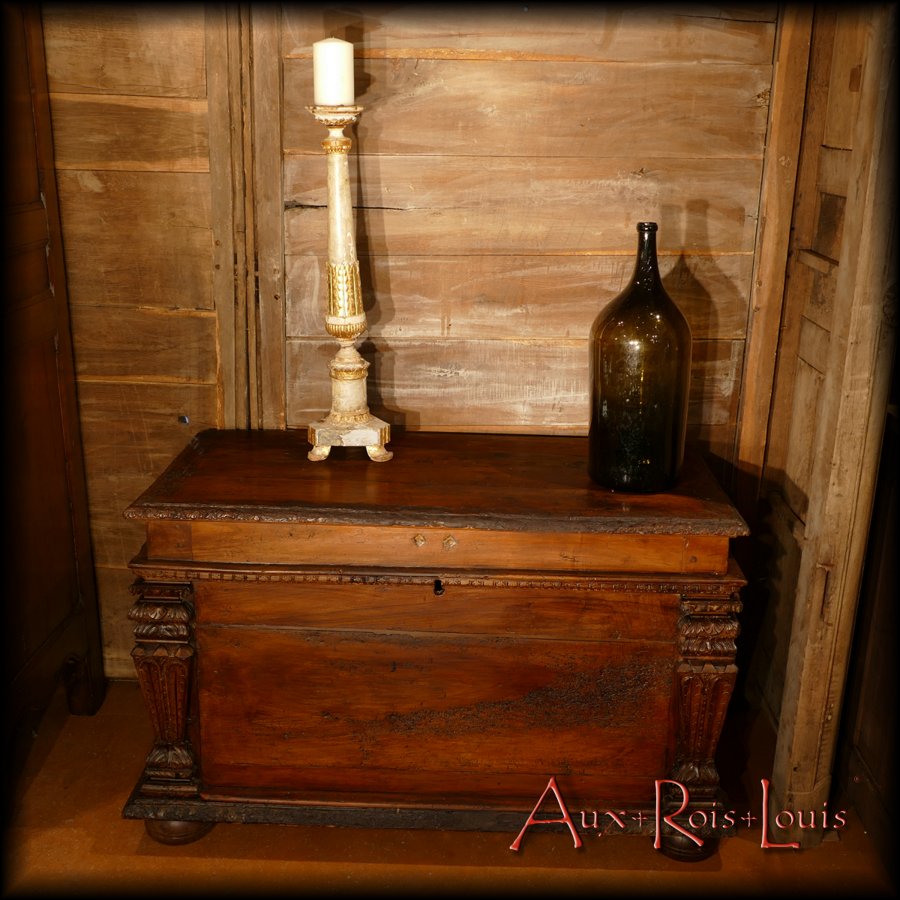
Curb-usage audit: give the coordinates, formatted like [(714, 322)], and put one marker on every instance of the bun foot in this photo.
[(172, 831), (682, 849)]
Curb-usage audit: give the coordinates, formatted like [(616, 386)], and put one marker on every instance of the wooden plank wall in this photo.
[(499, 169), (504, 156), (130, 119)]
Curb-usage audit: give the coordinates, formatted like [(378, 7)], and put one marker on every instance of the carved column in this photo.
[(163, 657), (704, 680)]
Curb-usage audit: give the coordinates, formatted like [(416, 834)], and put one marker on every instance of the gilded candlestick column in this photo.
[(349, 423)]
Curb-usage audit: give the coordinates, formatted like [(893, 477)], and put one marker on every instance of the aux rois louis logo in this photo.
[(692, 824)]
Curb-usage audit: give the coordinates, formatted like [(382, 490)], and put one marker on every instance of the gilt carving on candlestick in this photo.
[(349, 423)]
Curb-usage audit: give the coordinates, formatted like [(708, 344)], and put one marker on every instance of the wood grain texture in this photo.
[(435, 481), (502, 385), (114, 591), (513, 205), (130, 133), (517, 297), (226, 166), (485, 108), (151, 50), (672, 33), (792, 52), (269, 387), (130, 118), (432, 706), (802, 277), (441, 549), (150, 344), (496, 200), (390, 606), (854, 396), (829, 484), (130, 431), (140, 239)]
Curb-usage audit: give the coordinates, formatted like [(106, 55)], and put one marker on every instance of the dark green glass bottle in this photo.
[(640, 380)]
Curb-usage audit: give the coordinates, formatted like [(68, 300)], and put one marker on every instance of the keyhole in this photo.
[(438, 587)]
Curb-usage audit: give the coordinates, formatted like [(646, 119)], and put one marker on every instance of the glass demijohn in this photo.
[(640, 378)]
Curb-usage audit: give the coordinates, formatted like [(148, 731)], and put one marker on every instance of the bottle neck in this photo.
[(646, 270)]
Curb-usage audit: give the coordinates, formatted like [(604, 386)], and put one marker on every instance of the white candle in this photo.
[(333, 73)]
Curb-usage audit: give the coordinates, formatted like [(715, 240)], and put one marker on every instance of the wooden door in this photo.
[(51, 625), (830, 395)]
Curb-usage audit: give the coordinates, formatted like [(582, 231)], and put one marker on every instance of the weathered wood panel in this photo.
[(484, 108), (539, 297), (802, 234), (131, 432), (149, 344), (145, 49), (791, 61), (130, 116), (813, 347), (848, 56), (496, 201), (675, 32), (512, 205), (140, 427), (798, 462), (520, 385), (499, 167), (138, 238), (846, 243), (268, 398), (139, 134)]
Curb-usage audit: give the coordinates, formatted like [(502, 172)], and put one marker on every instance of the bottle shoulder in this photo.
[(641, 312)]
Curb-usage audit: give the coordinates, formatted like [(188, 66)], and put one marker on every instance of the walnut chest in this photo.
[(425, 642)]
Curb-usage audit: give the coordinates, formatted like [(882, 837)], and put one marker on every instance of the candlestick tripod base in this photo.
[(370, 432), (349, 423)]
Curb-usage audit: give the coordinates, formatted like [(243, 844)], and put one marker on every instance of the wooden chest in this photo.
[(426, 642)]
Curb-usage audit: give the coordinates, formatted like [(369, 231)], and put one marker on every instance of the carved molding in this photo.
[(151, 510), (719, 594), (708, 630), (729, 605), (162, 612)]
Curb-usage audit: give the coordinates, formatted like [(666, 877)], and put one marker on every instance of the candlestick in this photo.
[(333, 73), (349, 424)]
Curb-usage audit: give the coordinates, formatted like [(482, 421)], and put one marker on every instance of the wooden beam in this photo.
[(773, 240), (847, 442), (226, 168), (266, 97)]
